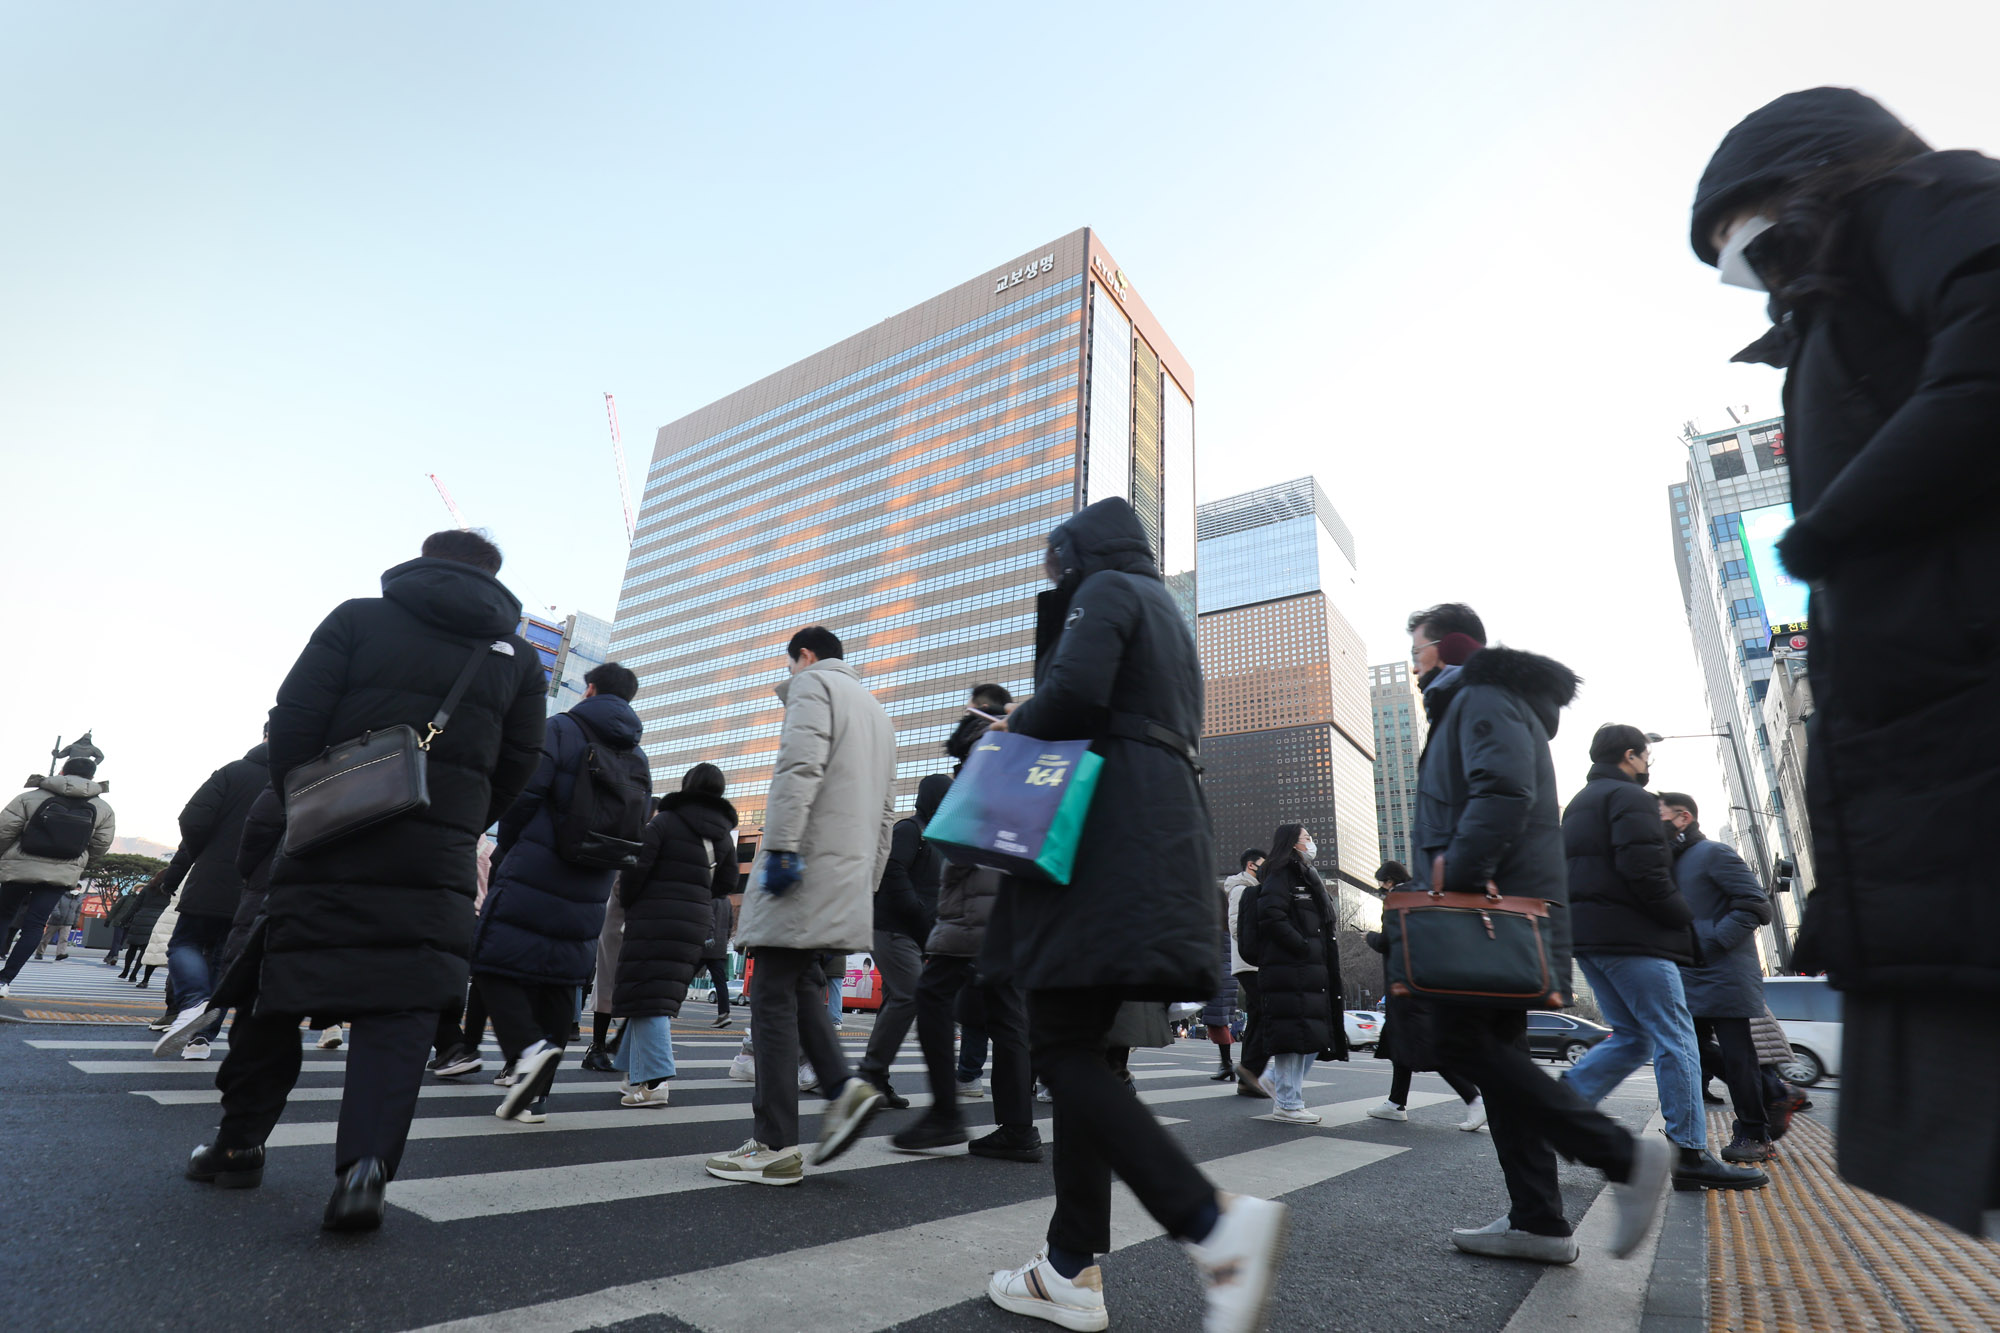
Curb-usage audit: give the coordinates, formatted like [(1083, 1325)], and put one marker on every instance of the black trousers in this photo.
[(1253, 1056), (1399, 1084), (525, 1012), (34, 902), (1102, 1128), (1531, 1116), (788, 1014), (943, 980), (378, 1097), (718, 976), (1739, 1069), (462, 1024)]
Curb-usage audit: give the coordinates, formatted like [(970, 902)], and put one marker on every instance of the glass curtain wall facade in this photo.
[(897, 488), (586, 644), (1729, 473), (1400, 730), (1281, 660)]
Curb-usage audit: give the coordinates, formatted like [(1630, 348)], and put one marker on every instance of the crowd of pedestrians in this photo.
[(414, 932)]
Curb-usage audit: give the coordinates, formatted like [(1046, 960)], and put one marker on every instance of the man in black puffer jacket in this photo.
[(1486, 813), (374, 928), (1632, 936), (905, 910), (539, 926), (204, 869)]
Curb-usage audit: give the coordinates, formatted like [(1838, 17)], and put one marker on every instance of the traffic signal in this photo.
[(1782, 875)]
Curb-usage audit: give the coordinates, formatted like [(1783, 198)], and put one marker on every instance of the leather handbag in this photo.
[(363, 782), (1485, 949)]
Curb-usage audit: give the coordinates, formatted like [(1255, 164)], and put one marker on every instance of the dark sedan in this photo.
[(1562, 1037)]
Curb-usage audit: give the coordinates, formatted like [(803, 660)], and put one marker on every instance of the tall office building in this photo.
[(568, 649), (898, 488), (1726, 515), (1288, 735), (1400, 728)]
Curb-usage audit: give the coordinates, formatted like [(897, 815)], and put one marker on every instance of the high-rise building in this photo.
[(568, 650), (1725, 514), (1288, 736), (898, 488), (1400, 728)]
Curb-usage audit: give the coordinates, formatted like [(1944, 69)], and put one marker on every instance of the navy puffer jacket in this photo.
[(542, 915)]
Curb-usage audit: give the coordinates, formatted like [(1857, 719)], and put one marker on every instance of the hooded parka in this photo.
[(1892, 410), (907, 901), (17, 865), (211, 832), (542, 915), (1622, 898), (1728, 905), (686, 866), (1113, 655), (381, 921), (832, 801), (1298, 963)]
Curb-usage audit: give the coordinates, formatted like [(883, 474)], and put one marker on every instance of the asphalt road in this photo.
[(103, 1233)]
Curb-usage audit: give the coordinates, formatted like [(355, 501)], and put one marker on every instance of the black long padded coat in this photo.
[(669, 900), (381, 921), (542, 916), (263, 828), (1892, 413), (1140, 913), (1298, 964), (204, 865)]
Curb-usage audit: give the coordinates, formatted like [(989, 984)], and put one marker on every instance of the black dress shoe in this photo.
[(929, 1132), (1225, 1076), (1011, 1143), (231, 1168), (891, 1101), (596, 1061), (356, 1204)]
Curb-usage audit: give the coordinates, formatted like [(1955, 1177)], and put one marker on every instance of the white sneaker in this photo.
[(1042, 1093), (1498, 1240), (534, 1072), (755, 1164), (1239, 1261), (808, 1080), (971, 1091), (506, 1078), (178, 1032), (1638, 1199), (1475, 1115), (1388, 1111), (6, 991), (1298, 1117), (196, 1049), (638, 1094), (1035, 1289), (842, 1122), (329, 1040), (743, 1069)]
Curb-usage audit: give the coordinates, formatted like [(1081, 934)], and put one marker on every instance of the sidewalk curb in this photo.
[(1677, 1291)]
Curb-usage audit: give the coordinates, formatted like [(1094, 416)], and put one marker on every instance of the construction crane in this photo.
[(618, 458), (449, 503)]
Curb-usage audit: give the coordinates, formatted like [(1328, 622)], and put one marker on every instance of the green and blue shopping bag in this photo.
[(1018, 805)]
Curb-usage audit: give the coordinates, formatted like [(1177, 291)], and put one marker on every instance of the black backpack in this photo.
[(1246, 923), (601, 824), (60, 828)]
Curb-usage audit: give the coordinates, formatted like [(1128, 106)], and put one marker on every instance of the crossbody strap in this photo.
[(458, 689)]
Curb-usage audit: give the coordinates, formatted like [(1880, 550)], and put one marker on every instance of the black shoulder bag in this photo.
[(357, 784)]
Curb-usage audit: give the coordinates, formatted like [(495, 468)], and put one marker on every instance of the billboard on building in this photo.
[(1784, 597)]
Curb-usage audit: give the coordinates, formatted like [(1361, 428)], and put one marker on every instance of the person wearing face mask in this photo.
[(1298, 970), (1725, 987), (1882, 260), (1633, 933)]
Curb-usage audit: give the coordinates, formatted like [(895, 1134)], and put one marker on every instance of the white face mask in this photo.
[(1312, 850), (1731, 265)]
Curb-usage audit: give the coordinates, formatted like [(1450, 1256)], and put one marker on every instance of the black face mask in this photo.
[(1643, 778), (1673, 833)]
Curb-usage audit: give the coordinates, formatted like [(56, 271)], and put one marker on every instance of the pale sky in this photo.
[(263, 267)]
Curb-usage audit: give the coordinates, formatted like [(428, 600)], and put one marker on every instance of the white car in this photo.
[(1364, 1029), (1809, 1011)]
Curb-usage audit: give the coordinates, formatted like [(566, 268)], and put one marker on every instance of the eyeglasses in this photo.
[(1417, 650)]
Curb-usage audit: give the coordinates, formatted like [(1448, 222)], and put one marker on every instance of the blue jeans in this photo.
[(1643, 1002), (646, 1052), (1288, 1079), (191, 956)]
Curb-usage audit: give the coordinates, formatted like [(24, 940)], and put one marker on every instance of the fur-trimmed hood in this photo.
[(1546, 685), (699, 800)]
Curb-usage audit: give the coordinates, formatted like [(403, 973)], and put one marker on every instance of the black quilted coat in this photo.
[(669, 900)]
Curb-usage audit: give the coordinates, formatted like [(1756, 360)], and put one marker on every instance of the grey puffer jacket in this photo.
[(17, 866)]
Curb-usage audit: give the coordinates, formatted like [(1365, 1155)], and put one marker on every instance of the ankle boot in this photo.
[(1749, 1146), (1695, 1170), (1228, 1070)]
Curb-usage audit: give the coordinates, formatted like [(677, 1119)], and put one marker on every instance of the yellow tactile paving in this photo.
[(1812, 1254)]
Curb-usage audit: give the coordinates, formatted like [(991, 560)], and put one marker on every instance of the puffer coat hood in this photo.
[(1786, 139), (456, 598)]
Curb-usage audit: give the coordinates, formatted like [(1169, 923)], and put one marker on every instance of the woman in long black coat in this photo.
[(1298, 970), (1882, 258), (686, 865)]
